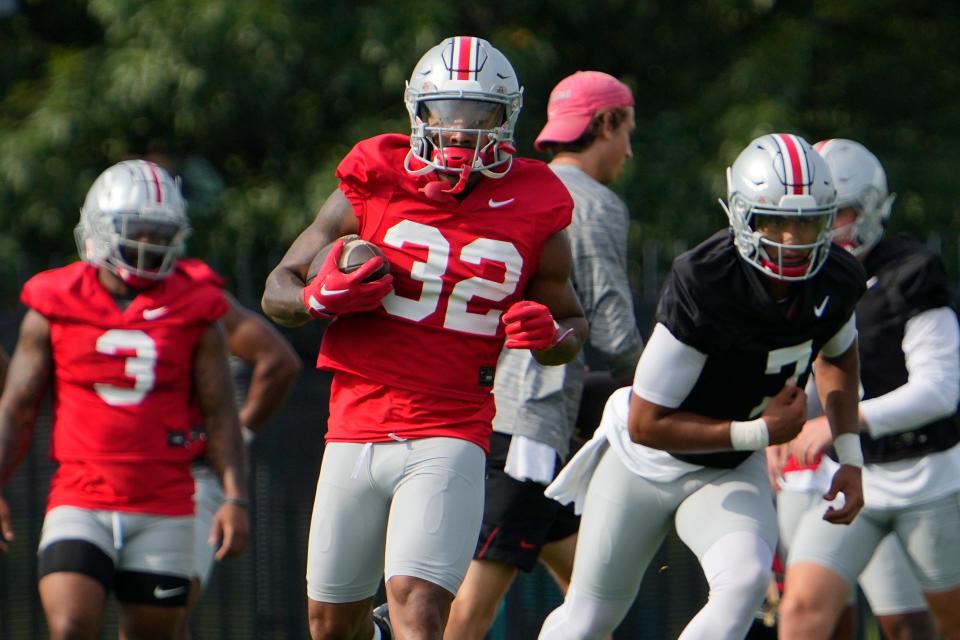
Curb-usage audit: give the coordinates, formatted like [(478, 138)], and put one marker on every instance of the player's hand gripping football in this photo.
[(230, 530), (333, 292), (786, 414), (530, 325)]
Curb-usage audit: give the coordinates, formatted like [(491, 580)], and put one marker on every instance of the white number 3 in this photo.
[(140, 366)]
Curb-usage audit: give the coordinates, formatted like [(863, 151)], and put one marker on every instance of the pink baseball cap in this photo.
[(576, 100)]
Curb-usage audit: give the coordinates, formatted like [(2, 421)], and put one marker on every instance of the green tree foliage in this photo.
[(253, 102)]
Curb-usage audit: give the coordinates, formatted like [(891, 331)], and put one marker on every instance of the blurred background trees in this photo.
[(253, 103)]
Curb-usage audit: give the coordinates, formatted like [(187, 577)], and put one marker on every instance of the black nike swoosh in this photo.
[(503, 77)]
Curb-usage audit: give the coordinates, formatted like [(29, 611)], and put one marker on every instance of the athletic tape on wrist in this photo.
[(749, 435), (849, 452)]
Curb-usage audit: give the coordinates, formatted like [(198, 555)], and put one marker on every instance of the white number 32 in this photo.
[(429, 272)]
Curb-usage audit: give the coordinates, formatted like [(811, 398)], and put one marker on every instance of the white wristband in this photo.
[(750, 435), (847, 446), (248, 434)]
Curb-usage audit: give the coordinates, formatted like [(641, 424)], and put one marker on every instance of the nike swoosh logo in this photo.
[(331, 292), (495, 204), (871, 283), (162, 594), (153, 314), (526, 545), (819, 309)]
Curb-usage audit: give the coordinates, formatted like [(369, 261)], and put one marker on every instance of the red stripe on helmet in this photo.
[(797, 161), (156, 180), (821, 146), (464, 57)]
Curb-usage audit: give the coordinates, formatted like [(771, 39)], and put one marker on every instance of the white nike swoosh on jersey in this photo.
[(331, 292), (153, 314), (872, 282), (162, 594), (819, 309), (495, 204)]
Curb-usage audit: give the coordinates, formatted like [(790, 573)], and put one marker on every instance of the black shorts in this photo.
[(517, 518)]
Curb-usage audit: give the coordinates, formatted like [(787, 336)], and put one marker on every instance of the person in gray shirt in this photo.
[(590, 119)]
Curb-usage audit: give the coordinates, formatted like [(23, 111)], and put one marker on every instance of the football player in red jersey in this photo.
[(742, 320), (475, 243), (126, 338)]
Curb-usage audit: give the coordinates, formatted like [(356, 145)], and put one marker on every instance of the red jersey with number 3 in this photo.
[(122, 387), (457, 266)]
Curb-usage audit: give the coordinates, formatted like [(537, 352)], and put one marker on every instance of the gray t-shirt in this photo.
[(541, 402)]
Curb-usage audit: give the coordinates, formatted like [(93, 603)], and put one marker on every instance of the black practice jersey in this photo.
[(716, 303), (904, 279)]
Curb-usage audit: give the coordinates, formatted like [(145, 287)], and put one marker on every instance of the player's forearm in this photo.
[(283, 298), (838, 382), (226, 454), (659, 427), (27, 378), (16, 432), (682, 432), (567, 348), (270, 384)]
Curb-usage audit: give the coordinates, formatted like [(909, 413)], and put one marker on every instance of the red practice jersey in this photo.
[(122, 388), (457, 266)]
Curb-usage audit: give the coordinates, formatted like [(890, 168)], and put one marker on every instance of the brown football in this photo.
[(356, 252)]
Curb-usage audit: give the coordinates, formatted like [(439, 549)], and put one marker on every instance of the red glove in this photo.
[(530, 325), (333, 292)]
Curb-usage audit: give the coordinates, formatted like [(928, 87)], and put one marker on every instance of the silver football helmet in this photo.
[(862, 185), (134, 222), (776, 179), (462, 87)]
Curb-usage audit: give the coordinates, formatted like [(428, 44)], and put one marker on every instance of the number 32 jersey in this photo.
[(457, 266), (122, 388)]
